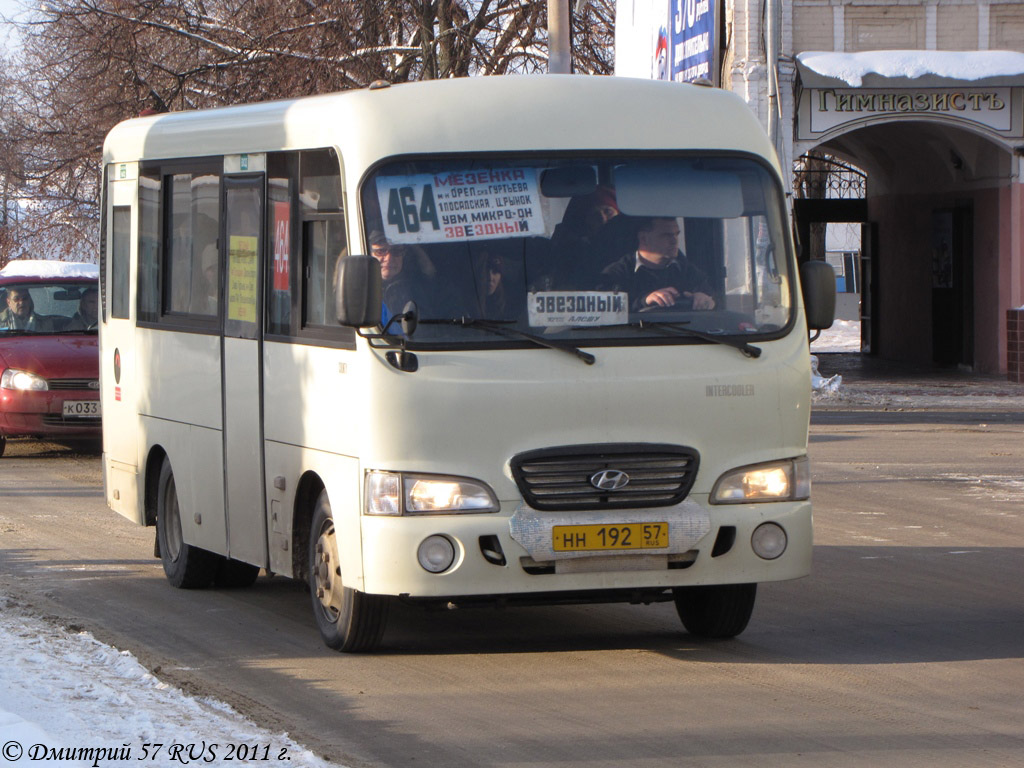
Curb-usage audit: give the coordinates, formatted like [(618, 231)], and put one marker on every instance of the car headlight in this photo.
[(788, 480), (23, 381), (394, 493)]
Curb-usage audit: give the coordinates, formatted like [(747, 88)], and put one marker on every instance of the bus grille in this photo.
[(562, 479)]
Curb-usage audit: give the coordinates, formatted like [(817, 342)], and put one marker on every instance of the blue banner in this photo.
[(692, 24)]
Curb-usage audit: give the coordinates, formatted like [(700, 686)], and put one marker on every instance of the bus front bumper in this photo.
[(493, 557)]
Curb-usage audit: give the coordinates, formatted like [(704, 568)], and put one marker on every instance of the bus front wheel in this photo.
[(717, 611), (186, 567), (348, 620)]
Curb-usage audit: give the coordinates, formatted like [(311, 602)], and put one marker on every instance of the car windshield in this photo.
[(48, 307), (589, 250)]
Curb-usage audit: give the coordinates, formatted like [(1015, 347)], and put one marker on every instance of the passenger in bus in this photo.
[(85, 318), (20, 313), (495, 294), (403, 280), (658, 274), (576, 240)]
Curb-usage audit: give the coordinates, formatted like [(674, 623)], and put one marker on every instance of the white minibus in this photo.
[(511, 340)]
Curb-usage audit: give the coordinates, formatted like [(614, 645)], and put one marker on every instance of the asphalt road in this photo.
[(904, 648)]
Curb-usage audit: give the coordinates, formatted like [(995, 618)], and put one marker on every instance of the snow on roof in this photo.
[(959, 65), (44, 268)]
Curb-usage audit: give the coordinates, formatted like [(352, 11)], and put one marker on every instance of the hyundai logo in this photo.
[(609, 480)]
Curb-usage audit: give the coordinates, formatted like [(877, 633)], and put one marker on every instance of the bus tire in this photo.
[(3, 444), (718, 611), (348, 620), (234, 574), (185, 566)]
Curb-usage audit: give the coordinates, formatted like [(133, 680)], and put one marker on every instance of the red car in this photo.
[(49, 351)]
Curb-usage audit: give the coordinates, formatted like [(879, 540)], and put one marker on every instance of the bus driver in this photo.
[(658, 274)]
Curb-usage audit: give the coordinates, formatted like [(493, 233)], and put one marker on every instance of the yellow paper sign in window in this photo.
[(242, 278)]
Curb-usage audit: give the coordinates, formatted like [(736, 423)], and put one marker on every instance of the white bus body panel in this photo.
[(506, 402), (247, 522), (179, 407)]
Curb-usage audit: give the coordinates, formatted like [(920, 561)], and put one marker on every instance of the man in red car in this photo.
[(49, 354), (20, 313)]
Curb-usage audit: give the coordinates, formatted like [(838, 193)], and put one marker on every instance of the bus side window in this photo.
[(193, 262), (120, 262), (320, 183), (323, 245), (323, 238), (149, 246), (282, 172)]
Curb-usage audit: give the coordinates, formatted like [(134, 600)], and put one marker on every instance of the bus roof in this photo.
[(478, 114)]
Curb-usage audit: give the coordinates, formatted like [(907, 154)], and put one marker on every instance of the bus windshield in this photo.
[(601, 249)]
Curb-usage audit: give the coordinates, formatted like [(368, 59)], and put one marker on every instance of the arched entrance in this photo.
[(937, 204), (943, 245)]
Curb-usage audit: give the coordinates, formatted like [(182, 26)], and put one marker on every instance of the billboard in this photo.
[(667, 39)]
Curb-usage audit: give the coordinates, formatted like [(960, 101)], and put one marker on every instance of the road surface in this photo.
[(904, 648)]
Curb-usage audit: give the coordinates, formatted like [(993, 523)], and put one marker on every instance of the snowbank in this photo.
[(68, 692)]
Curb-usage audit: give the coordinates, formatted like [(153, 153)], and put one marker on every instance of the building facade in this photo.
[(927, 98)]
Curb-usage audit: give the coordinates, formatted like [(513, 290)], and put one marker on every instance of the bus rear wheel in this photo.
[(348, 620), (717, 611), (185, 566)]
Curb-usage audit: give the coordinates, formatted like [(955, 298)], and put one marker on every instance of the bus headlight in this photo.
[(23, 381), (788, 480), (394, 493)]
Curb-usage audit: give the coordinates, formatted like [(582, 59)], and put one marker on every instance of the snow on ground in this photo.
[(843, 336), (72, 700)]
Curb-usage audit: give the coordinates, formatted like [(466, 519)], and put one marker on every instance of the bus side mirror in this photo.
[(818, 281), (359, 291)]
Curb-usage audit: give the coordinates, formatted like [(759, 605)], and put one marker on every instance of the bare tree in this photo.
[(87, 64)]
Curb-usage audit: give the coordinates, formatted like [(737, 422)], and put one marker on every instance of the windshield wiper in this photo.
[(679, 329), (500, 327)]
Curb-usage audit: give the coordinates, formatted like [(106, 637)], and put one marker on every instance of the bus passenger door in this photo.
[(119, 389), (241, 363)]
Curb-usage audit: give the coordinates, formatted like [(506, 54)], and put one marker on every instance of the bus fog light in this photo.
[(768, 541), (436, 554)]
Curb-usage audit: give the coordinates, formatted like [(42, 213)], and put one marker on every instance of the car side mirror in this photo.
[(818, 281), (359, 291)]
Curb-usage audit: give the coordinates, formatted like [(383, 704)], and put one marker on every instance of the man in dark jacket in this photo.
[(658, 274), (400, 283)]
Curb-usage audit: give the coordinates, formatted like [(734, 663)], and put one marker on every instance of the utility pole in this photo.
[(559, 49)]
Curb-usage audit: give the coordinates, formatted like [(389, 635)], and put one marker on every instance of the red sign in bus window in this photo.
[(282, 245)]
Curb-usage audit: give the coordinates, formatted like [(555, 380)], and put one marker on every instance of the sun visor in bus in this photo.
[(672, 189), (568, 181)]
